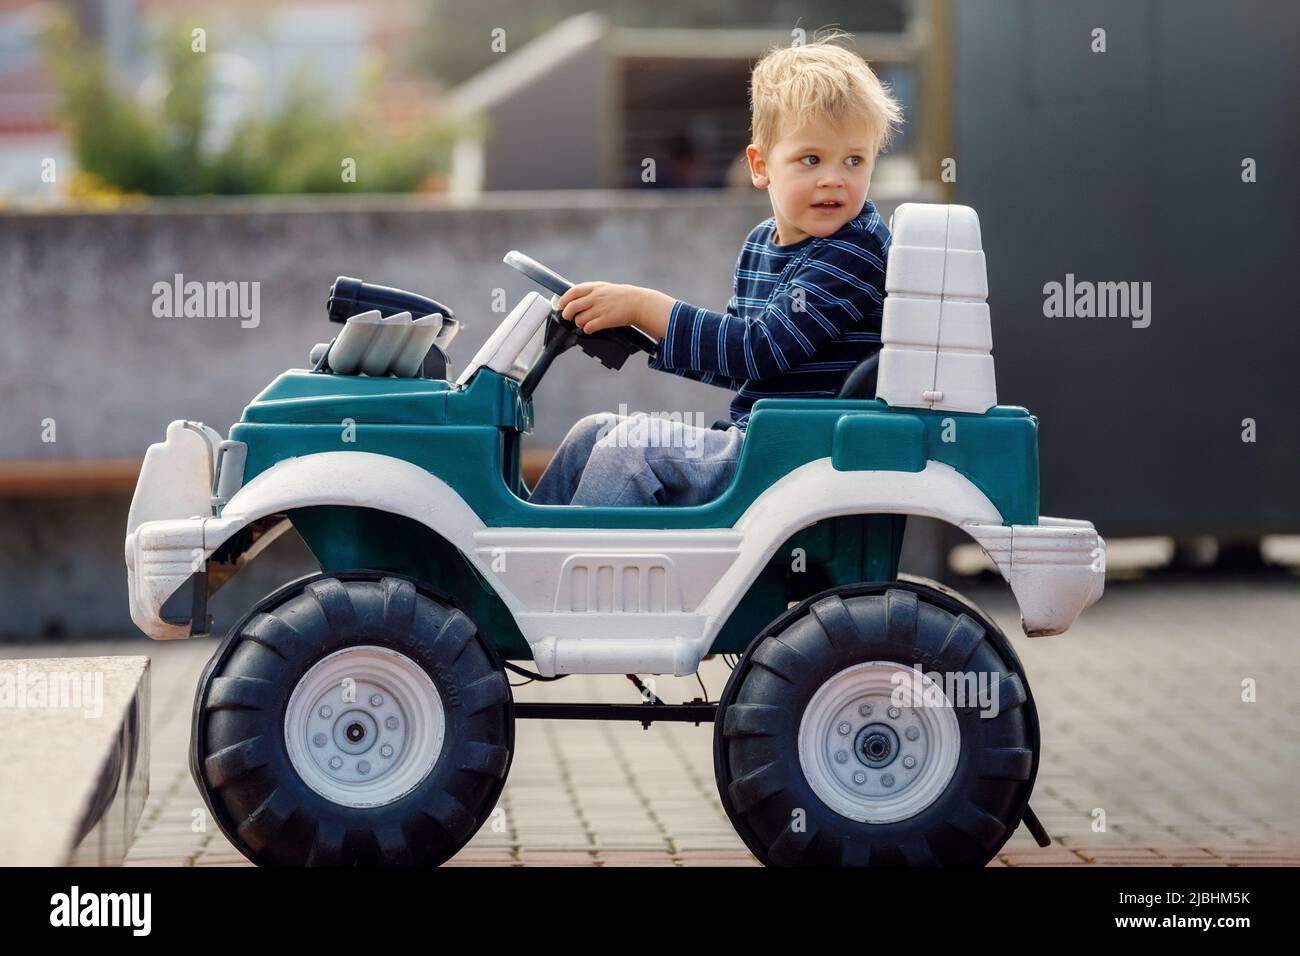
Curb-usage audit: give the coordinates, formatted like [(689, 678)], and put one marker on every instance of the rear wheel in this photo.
[(877, 725), (353, 720)]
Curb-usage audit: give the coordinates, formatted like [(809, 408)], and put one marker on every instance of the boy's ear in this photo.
[(757, 166)]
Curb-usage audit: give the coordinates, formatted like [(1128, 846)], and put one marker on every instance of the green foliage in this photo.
[(163, 149)]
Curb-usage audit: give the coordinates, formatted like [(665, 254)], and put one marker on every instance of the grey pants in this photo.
[(640, 459)]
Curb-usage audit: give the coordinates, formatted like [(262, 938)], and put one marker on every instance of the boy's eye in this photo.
[(809, 160), (854, 160)]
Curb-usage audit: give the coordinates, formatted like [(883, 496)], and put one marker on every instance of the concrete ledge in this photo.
[(74, 744), (29, 479), (39, 479)]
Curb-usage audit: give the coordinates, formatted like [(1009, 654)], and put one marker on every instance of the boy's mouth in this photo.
[(828, 204)]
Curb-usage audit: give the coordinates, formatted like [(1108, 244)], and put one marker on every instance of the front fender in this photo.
[(162, 556), (350, 478)]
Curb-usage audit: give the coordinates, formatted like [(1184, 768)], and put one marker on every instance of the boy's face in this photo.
[(817, 176)]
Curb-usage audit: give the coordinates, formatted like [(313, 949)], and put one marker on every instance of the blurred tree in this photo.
[(455, 45), (159, 149)]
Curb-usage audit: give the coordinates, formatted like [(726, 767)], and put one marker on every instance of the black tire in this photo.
[(756, 737), (240, 760)]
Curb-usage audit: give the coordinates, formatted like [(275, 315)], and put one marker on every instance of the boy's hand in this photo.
[(593, 306)]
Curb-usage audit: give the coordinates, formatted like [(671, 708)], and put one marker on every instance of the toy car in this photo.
[(362, 715)]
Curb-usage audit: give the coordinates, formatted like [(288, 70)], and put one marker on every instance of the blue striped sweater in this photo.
[(800, 317)]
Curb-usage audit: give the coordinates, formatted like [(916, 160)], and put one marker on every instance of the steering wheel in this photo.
[(611, 346)]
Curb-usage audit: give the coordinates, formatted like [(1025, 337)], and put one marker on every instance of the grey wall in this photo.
[(1127, 166), (84, 348), (532, 144)]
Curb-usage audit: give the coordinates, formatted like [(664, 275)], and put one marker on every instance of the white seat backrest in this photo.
[(936, 336)]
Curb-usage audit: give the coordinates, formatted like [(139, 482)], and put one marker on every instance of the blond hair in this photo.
[(818, 80)]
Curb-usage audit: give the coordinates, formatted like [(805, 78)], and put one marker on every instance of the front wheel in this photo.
[(877, 725), (352, 720)]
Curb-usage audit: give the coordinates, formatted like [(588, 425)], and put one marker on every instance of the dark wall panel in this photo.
[(1126, 166)]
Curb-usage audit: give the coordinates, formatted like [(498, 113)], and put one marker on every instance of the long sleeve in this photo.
[(707, 377), (825, 298)]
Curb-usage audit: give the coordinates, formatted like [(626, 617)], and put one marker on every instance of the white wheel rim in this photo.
[(364, 726), (856, 741)]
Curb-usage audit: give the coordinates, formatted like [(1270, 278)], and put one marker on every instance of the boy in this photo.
[(807, 293)]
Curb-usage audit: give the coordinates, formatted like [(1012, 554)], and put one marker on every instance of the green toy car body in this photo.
[(436, 573)]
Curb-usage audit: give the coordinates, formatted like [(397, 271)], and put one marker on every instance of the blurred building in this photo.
[(29, 129), (585, 105)]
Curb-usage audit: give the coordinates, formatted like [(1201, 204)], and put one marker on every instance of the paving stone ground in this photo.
[(1142, 719)]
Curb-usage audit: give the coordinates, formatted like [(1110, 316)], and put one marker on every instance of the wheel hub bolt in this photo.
[(841, 756), (363, 766), (355, 732), (887, 780), (391, 723), (385, 751), (335, 763), (894, 712), (909, 762), (865, 710), (319, 740), (844, 728), (327, 712), (911, 733), (859, 778), (376, 700)]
